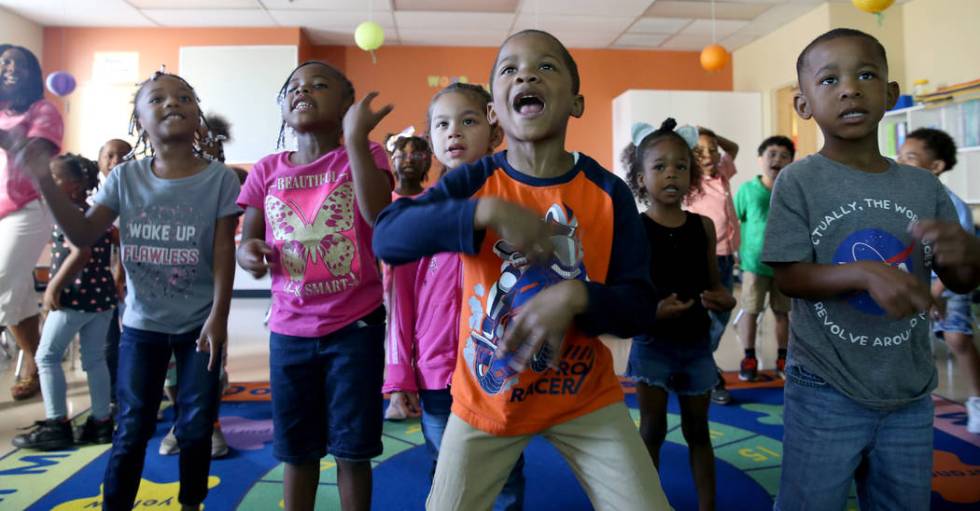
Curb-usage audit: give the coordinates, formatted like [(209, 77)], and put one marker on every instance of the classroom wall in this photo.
[(942, 41), (21, 31), (73, 49), (405, 76), (409, 76)]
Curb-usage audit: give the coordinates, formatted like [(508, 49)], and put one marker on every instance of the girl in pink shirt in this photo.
[(423, 333), (308, 221), (27, 121)]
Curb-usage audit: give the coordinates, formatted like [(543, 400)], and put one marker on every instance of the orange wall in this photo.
[(73, 49), (402, 75)]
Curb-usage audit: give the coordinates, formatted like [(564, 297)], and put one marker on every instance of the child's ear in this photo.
[(496, 136), (578, 106), (492, 115), (892, 95), (802, 106), (937, 166)]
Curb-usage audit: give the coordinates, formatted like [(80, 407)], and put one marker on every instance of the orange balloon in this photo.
[(713, 57), (872, 6)]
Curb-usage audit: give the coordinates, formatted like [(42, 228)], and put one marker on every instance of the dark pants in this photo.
[(112, 351), (143, 359)]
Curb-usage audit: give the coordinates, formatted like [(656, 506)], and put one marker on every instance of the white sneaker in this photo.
[(168, 446), (219, 446), (973, 414)]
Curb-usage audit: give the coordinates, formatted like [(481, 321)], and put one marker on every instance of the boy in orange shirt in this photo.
[(553, 255)]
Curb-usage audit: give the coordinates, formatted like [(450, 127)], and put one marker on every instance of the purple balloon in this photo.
[(61, 83)]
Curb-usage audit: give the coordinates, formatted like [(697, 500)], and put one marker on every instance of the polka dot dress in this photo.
[(93, 289)]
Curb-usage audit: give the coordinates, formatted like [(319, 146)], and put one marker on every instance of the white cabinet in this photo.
[(961, 120)]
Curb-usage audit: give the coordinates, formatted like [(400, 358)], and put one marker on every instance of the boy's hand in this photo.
[(403, 405), (213, 337), (253, 256), (671, 307), (360, 119), (951, 245), (901, 294), (544, 319), (517, 225), (718, 300), (50, 301)]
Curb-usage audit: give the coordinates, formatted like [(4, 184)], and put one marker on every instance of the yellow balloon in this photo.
[(872, 6), (713, 57), (369, 36)]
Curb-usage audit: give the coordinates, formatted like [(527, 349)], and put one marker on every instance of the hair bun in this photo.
[(668, 125)]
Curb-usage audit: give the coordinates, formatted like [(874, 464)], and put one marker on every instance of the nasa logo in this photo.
[(873, 245)]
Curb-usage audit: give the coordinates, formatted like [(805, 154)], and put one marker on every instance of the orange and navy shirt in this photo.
[(598, 239)]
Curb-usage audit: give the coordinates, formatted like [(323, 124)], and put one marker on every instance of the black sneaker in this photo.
[(46, 435), (96, 432), (719, 394)]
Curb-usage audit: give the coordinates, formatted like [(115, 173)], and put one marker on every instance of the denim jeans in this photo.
[(143, 358), (436, 405), (719, 319), (831, 440), (59, 329), (112, 348)]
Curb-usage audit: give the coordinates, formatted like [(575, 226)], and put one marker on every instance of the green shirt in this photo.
[(752, 210)]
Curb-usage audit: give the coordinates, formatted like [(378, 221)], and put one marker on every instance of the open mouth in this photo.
[(173, 117), (671, 188), (854, 114), (302, 104), (456, 150), (528, 104)]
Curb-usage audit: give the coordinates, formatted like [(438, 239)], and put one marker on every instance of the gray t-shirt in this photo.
[(827, 213), (166, 227)]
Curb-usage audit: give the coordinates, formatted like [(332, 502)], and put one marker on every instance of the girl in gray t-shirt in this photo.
[(177, 216)]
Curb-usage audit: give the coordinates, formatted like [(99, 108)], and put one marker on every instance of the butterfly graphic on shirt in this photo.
[(306, 241)]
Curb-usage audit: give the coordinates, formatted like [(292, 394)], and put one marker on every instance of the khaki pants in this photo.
[(603, 448)]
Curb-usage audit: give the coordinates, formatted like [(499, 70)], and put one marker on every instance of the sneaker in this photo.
[(96, 431), (46, 435), (219, 446), (973, 412), (781, 367), (168, 446), (719, 394), (749, 369)]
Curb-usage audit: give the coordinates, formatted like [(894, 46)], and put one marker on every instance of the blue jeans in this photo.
[(143, 358), (719, 320), (436, 405), (831, 440), (60, 328), (326, 393), (112, 336)]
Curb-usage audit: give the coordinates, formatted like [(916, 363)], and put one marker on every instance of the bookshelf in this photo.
[(961, 120)]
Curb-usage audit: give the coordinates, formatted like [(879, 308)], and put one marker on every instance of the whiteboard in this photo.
[(735, 115), (241, 84)]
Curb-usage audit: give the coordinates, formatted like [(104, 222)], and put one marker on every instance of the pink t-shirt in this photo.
[(324, 274), (716, 203), (41, 120)]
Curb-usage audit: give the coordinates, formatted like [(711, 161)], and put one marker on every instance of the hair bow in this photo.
[(642, 130), (405, 133)]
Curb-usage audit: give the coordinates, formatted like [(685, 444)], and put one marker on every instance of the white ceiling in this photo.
[(639, 24)]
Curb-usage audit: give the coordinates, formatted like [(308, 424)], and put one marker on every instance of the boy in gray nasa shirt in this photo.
[(852, 237)]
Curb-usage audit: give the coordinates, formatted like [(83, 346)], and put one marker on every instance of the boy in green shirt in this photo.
[(752, 209)]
